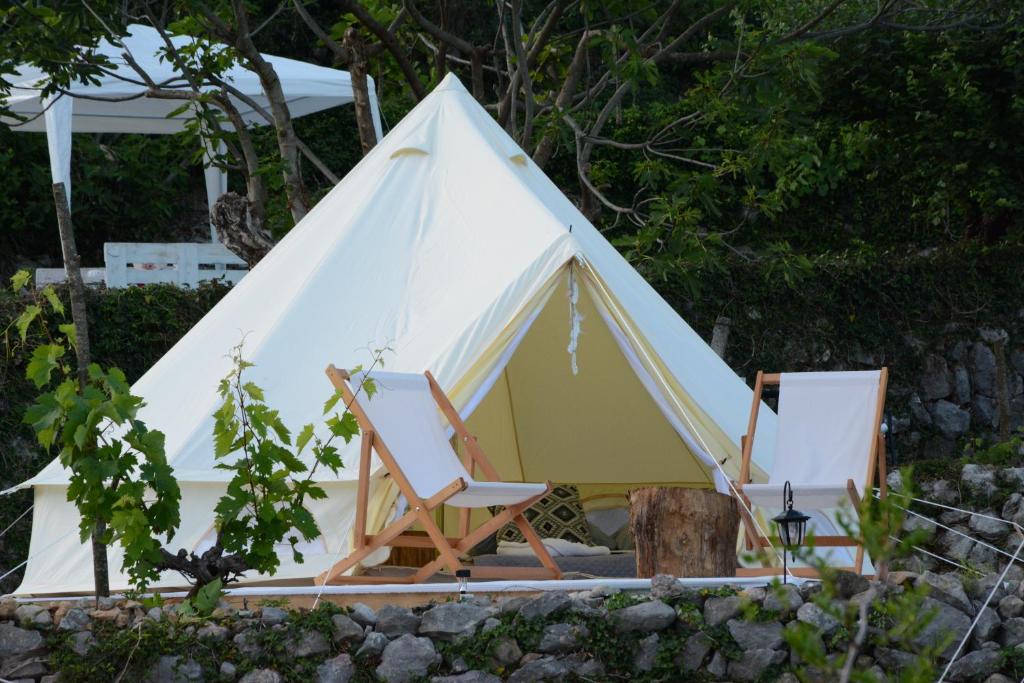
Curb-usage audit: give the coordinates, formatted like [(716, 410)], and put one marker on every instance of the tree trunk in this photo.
[(360, 89), (231, 219), (683, 532), (73, 268)]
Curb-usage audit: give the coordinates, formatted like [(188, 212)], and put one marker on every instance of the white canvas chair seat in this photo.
[(482, 494), (404, 422), (407, 418), (810, 496), (827, 446)]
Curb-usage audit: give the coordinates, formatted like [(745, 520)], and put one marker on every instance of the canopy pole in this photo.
[(216, 181), (57, 116)]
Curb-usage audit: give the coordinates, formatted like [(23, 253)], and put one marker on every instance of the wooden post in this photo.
[(683, 532), (73, 268)]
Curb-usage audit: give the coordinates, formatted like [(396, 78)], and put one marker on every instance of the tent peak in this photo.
[(451, 82)]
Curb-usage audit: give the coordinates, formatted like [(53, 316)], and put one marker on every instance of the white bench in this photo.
[(185, 264)]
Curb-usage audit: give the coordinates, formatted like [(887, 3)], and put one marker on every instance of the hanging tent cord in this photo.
[(37, 554), (11, 526), (694, 430), (1014, 558)]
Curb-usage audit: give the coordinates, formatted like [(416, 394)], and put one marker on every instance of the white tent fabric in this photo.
[(445, 244), (124, 108)]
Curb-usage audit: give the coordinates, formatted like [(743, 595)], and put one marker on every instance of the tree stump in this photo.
[(683, 532)]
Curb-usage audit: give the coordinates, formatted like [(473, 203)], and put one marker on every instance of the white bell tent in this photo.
[(117, 103), (450, 246)]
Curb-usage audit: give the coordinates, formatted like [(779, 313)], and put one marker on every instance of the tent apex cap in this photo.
[(451, 82)]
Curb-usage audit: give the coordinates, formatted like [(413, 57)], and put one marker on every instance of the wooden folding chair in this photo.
[(402, 425), (829, 446)]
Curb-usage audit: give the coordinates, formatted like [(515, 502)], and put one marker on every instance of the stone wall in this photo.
[(672, 633), (969, 384)]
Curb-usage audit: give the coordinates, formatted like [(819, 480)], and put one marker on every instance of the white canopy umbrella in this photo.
[(308, 88)]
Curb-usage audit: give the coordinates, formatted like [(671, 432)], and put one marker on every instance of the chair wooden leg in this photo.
[(851, 490), (380, 540), (530, 534)]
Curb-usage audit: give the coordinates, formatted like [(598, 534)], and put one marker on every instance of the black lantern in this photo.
[(462, 577), (792, 525)]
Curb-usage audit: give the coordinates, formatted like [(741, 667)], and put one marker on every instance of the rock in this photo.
[(752, 664), (452, 619), (373, 645), (82, 642), (810, 613), (110, 614), (1013, 632), (25, 668), (666, 587), (919, 413), (543, 669), (561, 638), (1013, 476), (695, 651), (941, 491), (155, 614), (982, 363), (975, 665), (982, 557), (262, 676), (468, 677), (893, 660), (545, 605), (990, 583), (950, 419), (213, 632), (961, 385), (340, 669), (1011, 606), (784, 599), (978, 479), (19, 641), (849, 584), (989, 528), (228, 671), (935, 379), (8, 608), (948, 622), (170, 669), (718, 666), (248, 644), (394, 621), (309, 643), (505, 651), (588, 669), (272, 615), (33, 615), (362, 615), (999, 678), (1013, 509), (753, 635), (646, 653), (406, 658), (490, 623), (75, 619), (644, 617), (346, 630), (717, 611), (984, 412), (987, 626), (948, 589)]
